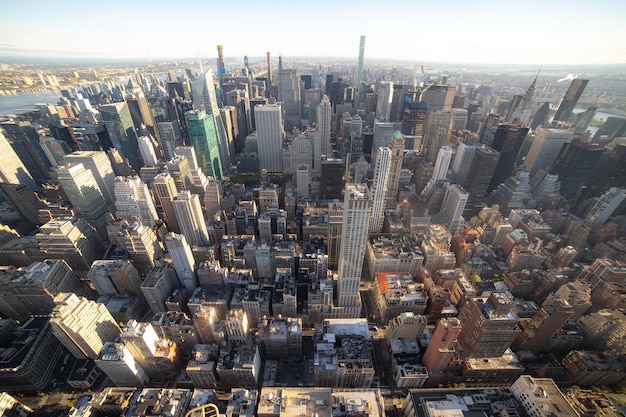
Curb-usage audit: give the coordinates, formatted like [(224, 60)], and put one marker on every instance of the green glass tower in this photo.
[(203, 138)]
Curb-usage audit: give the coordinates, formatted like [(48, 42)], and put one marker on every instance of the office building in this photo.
[(72, 240), (12, 169), (30, 355), (118, 363), (436, 130), (442, 346), (508, 140), (536, 333), (146, 149), (575, 162), (451, 214), (134, 201), (189, 216), (396, 146), (119, 124), (489, 326), (541, 397), (439, 97), (84, 193), (158, 285), (302, 181), (605, 330), (413, 119), (82, 326), (164, 191), (115, 277), (607, 172), (380, 187), (289, 95), (100, 166), (324, 122), (24, 140), (359, 76), (462, 162), (203, 137), (139, 240), (30, 291), (182, 260), (572, 95), (441, 168), (605, 206), (356, 216), (383, 105), (269, 131), (204, 98), (545, 148), (158, 357), (332, 181)]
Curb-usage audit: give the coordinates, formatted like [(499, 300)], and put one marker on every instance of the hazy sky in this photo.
[(479, 31)]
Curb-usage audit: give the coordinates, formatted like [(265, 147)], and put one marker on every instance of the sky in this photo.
[(453, 31)]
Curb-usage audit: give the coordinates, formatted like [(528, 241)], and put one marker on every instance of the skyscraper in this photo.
[(379, 189), (452, 207), (182, 261), (324, 118), (289, 95), (396, 146), (574, 163), (188, 212), (115, 276), (359, 76), (12, 169), (544, 324), (25, 142), (507, 140), (100, 166), (439, 97), (269, 124), (204, 98), (441, 167), (545, 148), (356, 214), (436, 131), (72, 240), (133, 200), (146, 149), (164, 190), (82, 326), (119, 124), (575, 90), (385, 94), (139, 240), (84, 193), (442, 346), (203, 138)]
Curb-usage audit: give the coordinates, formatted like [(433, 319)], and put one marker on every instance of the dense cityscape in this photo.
[(284, 236)]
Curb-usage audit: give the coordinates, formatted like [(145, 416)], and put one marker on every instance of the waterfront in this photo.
[(24, 102)]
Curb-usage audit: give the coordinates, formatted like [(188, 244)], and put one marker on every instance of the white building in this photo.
[(269, 132), (120, 366), (189, 216), (134, 200), (182, 260)]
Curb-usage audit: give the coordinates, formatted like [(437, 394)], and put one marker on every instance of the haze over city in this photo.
[(529, 32)]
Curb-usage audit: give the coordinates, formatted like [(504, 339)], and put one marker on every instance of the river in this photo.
[(24, 102)]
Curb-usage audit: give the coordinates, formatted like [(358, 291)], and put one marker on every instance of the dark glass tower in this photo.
[(574, 163), (570, 100), (507, 140)]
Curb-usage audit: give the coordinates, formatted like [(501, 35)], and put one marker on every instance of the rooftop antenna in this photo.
[(199, 60)]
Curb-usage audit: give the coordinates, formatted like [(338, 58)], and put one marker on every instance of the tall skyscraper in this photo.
[(146, 149), (436, 131), (188, 212), (203, 138), (356, 214), (182, 261), (575, 162), (139, 240), (12, 169), (324, 119), (507, 140), (481, 171), (359, 76), (452, 207), (221, 65), (84, 193), (545, 323), (379, 189), (567, 106), (289, 95), (25, 142), (204, 98), (269, 124), (82, 326), (100, 166), (439, 97), (413, 118), (134, 200), (441, 167), (383, 106), (545, 148), (119, 124), (396, 146), (164, 191)]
